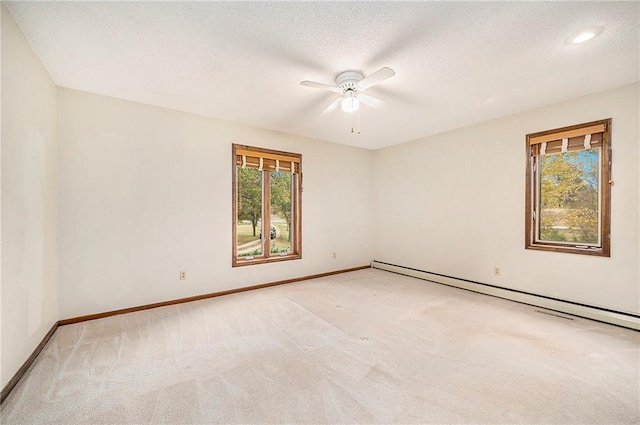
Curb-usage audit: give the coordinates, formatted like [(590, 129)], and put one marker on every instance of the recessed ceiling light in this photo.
[(584, 35)]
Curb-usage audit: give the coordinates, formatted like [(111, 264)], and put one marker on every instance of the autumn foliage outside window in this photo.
[(568, 189)]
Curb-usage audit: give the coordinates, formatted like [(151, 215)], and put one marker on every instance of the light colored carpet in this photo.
[(363, 347)]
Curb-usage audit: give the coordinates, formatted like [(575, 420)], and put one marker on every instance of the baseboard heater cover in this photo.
[(581, 310)]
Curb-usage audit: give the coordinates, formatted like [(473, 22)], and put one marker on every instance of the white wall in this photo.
[(146, 192), (454, 204), (29, 200)]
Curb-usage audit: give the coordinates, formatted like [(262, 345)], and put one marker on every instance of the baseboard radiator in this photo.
[(590, 312)]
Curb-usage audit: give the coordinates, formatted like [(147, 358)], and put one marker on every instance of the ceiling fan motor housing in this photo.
[(348, 81)]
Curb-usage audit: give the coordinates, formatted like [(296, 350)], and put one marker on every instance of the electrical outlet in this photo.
[(334, 255), (496, 271), (183, 275)]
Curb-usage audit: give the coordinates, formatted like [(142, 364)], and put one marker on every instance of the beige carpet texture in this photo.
[(363, 347)]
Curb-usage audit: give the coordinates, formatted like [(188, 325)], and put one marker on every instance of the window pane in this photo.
[(281, 217), (569, 194), (249, 210)]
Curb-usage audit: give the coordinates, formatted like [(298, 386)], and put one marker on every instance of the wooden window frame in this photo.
[(296, 243), (532, 141)]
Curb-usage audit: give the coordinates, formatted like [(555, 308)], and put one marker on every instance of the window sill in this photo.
[(598, 252), (237, 262)]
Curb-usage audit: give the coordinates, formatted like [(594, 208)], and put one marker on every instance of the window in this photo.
[(267, 191), (568, 190)]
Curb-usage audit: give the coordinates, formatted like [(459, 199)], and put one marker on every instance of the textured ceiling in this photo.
[(457, 63)]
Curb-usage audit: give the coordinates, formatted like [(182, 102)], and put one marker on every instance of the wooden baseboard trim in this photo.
[(203, 296), (23, 369)]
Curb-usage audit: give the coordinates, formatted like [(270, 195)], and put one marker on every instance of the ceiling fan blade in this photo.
[(377, 77), (321, 86), (370, 101), (331, 107)]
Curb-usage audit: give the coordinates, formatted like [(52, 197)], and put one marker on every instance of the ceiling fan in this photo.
[(351, 85)]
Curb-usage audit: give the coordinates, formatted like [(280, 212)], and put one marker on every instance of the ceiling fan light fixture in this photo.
[(350, 103), (351, 85)]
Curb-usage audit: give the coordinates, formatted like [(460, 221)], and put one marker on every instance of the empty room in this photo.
[(320, 212)]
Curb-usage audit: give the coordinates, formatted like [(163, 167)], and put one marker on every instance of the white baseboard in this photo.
[(589, 312)]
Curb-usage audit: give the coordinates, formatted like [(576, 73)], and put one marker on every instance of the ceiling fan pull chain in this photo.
[(358, 120), (351, 123)]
